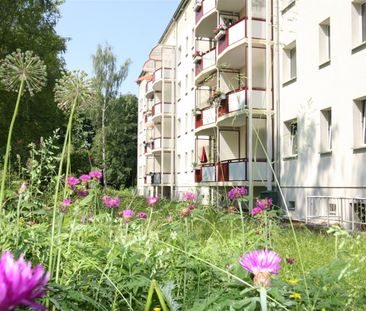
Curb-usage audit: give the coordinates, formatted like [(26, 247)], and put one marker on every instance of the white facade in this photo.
[(292, 91)]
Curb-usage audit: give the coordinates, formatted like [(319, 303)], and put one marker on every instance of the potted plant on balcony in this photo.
[(196, 166), (220, 31), (216, 98), (197, 56), (197, 5), (196, 111)]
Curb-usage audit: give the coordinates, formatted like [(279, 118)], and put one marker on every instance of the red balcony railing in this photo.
[(208, 60), (207, 116)]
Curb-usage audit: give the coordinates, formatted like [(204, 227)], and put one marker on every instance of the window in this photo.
[(358, 22), (291, 138), (179, 124), (186, 168), (186, 84), (193, 39), (179, 90), (332, 209), (359, 123), (186, 123), (289, 62), (179, 54), (326, 130), (291, 205), (324, 42), (178, 163), (187, 46)]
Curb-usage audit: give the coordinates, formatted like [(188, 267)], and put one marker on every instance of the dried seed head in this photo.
[(27, 67)]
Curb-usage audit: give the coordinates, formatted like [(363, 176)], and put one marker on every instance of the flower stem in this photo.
[(263, 298), (8, 144)]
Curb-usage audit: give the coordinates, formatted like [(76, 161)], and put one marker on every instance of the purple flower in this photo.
[(66, 202), (127, 214), (83, 193), (72, 182), (237, 193), (185, 212), (191, 207), (256, 211), (23, 187), (262, 263), (151, 201), (20, 284), (96, 174), (84, 178), (141, 215), (263, 203), (189, 197), (111, 202)]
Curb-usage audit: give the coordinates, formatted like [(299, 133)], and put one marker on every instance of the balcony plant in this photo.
[(216, 98), (220, 31), (197, 56), (197, 6), (196, 111)]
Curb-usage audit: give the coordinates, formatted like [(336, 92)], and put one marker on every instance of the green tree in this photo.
[(108, 79), (30, 25)]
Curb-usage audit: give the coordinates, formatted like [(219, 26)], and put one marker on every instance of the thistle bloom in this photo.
[(189, 197), (264, 203), (262, 263), (96, 174), (20, 284), (141, 215), (127, 214), (84, 178), (66, 202), (256, 211), (185, 212), (83, 193), (72, 182), (237, 193), (111, 202), (23, 187), (151, 201)]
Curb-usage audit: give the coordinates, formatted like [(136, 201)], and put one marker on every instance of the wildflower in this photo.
[(157, 309), (151, 201), (185, 212), (96, 174), (66, 202), (189, 197), (111, 202), (23, 187), (127, 214), (141, 215), (293, 282), (84, 179), (20, 283), (83, 193), (262, 263), (290, 260), (295, 296), (237, 193), (72, 181), (191, 207), (256, 211), (264, 203)]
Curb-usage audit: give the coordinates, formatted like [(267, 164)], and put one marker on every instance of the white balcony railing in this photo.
[(168, 108), (208, 5), (237, 171), (260, 171), (165, 143), (158, 74), (237, 101), (208, 173), (208, 59), (208, 116)]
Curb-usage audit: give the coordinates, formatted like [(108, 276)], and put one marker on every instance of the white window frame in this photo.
[(326, 131), (291, 138), (290, 62), (358, 22), (324, 42)]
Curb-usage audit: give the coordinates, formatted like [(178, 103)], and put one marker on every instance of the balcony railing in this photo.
[(232, 170), (239, 30), (156, 178), (158, 74), (237, 100), (149, 147), (157, 109), (149, 87), (163, 143), (206, 7), (208, 60), (207, 116)]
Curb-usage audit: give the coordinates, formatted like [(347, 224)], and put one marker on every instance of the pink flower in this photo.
[(191, 207), (72, 182), (189, 197), (263, 203), (66, 202), (111, 202), (141, 215), (185, 212), (127, 214), (84, 178), (237, 193), (151, 201), (256, 211), (20, 284), (262, 263), (96, 174), (23, 187)]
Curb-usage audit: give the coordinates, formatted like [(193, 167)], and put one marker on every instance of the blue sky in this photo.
[(131, 27)]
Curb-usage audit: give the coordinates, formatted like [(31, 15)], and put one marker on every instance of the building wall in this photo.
[(335, 84)]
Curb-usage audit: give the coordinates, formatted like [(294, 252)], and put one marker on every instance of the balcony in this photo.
[(157, 110), (149, 89), (206, 17), (157, 178), (149, 148), (163, 143), (159, 76), (206, 65), (206, 119)]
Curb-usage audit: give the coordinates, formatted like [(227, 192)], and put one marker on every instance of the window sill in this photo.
[(324, 64), (359, 47), (292, 80), (290, 157), (361, 148), (325, 152)]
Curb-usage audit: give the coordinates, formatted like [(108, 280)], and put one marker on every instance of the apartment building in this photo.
[(238, 89)]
